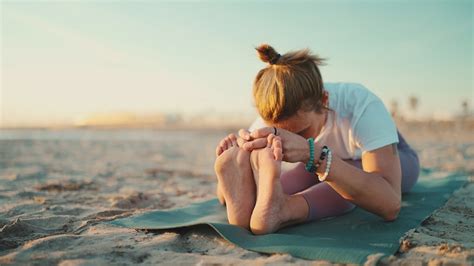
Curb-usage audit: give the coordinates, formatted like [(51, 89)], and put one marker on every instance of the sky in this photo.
[(62, 60)]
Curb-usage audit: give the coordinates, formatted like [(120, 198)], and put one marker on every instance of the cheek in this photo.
[(308, 132), (298, 127), (306, 135)]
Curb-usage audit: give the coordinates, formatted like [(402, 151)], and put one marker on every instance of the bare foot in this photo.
[(220, 195), (273, 208), (236, 185), (226, 143)]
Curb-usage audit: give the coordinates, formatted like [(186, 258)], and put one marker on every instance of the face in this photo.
[(307, 124)]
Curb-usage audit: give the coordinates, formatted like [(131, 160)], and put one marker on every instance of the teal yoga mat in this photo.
[(344, 239)]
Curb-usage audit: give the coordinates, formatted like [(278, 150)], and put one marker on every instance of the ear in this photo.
[(325, 99)]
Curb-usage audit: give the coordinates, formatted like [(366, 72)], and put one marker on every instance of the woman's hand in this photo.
[(250, 143), (295, 147)]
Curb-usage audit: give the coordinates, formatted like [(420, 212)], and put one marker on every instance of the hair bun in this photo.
[(267, 54)]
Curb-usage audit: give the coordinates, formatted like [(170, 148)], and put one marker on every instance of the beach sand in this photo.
[(57, 187)]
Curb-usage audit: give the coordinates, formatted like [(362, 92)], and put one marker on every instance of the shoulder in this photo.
[(348, 89), (257, 123), (349, 98)]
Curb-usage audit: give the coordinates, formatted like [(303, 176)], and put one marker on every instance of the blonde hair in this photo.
[(291, 81)]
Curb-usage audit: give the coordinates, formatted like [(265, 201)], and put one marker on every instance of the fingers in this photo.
[(255, 144), (275, 143), (244, 134), (241, 142), (262, 132)]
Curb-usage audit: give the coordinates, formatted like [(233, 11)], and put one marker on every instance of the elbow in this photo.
[(392, 212)]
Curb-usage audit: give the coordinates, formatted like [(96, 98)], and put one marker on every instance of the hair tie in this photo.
[(275, 59)]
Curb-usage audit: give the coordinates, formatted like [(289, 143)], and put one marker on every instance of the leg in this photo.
[(320, 196), (236, 185), (410, 164), (324, 201), (297, 179)]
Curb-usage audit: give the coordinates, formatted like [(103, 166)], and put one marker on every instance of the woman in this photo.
[(345, 146)]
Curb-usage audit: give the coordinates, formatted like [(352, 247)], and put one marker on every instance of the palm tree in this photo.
[(413, 102), (465, 108), (394, 108)]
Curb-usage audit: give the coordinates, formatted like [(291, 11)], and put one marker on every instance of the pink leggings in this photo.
[(324, 201)]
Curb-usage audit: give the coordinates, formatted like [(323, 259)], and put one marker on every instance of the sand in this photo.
[(57, 187)]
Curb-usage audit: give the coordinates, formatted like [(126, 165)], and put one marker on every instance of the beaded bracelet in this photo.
[(315, 166), (328, 167), (309, 164), (322, 156)]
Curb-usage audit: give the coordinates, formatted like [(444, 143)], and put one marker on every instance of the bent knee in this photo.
[(392, 215), (410, 171)]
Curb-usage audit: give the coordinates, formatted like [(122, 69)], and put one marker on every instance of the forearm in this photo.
[(367, 190)]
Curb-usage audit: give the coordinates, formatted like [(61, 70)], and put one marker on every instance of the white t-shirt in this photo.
[(360, 122)]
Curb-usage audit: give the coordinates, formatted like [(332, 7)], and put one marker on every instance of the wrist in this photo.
[(304, 153), (321, 159), (325, 166), (315, 156), (322, 167), (310, 164), (317, 152)]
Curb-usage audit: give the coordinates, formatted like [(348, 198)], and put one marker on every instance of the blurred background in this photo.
[(191, 64), (112, 108)]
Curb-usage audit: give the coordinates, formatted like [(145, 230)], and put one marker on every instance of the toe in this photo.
[(223, 145), (277, 148), (270, 140), (218, 151), (228, 142), (231, 140)]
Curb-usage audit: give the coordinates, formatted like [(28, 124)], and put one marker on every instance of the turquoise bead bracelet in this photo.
[(309, 164)]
